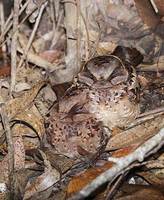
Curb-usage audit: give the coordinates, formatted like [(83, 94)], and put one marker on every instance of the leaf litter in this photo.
[(86, 95)]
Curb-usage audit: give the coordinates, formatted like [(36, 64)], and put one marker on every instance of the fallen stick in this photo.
[(150, 146)]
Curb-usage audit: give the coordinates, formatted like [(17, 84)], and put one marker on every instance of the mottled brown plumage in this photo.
[(102, 98)]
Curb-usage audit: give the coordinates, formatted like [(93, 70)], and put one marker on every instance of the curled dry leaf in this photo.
[(30, 126), (59, 161), (136, 135), (32, 118), (21, 178), (21, 87), (28, 75), (19, 104), (45, 100), (105, 47), (41, 183), (79, 181), (145, 192), (151, 177)]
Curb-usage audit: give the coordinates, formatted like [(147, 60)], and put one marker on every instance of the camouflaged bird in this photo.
[(105, 95)]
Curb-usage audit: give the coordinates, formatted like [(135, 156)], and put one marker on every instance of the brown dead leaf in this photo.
[(145, 192), (20, 104), (136, 135), (41, 183), (28, 76), (58, 161), (29, 125), (33, 118), (45, 100), (80, 181), (21, 178), (151, 177)]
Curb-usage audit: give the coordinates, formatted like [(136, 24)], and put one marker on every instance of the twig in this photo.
[(152, 112), (53, 14), (40, 62), (112, 190), (154, 6), (78, 44), (56, 29), (10, 148), (138, 155), (2, 22), (9, 22), (14, 45), (147, 116), (32, 34), (88, 49)]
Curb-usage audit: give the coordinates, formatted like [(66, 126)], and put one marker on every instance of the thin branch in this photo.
[(32, 34), (112, 190), (147, 116), (10, 147), (78, 43), (2, 22), (139, 154), (9, 22), (152, 112), (14, 45)]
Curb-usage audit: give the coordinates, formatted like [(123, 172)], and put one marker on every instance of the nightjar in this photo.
[(113, 87), (105, 95)]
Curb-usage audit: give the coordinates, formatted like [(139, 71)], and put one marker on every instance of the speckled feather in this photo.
[(110, 100)]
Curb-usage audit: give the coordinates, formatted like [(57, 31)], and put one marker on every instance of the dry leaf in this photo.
[(19, 87), (42, 183), (20, 104), (21, 178), (45, 100), (59, 161), (151, 178), (145, 192), (80, 181), (136, 135), (33, 118)]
